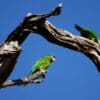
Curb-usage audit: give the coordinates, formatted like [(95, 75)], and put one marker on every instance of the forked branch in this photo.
[(38, 24)]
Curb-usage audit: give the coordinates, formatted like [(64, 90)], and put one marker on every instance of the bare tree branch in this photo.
[(29, 24), (20, 82)]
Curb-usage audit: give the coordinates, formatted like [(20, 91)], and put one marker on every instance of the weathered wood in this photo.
[(9, 53), (10, 49), (35, 78)]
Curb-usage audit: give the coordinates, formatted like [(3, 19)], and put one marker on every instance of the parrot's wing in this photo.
[(41, 64), (93, 34)]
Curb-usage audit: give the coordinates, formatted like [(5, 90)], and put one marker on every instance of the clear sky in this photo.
[(73, 76)]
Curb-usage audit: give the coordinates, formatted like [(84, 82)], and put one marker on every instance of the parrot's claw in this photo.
[(43, 71)]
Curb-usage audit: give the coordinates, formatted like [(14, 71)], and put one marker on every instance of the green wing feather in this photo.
[(93, 35), (41, 64)]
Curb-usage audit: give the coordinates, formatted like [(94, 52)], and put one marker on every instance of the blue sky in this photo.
[(73, 76)]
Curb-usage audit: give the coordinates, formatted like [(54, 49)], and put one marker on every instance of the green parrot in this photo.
[(87, 33), (42, 64)]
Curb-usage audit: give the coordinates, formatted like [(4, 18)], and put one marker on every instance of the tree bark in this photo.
[(35, 78)]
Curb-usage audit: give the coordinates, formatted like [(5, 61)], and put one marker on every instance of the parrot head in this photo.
[(50, 57), (53, 58)]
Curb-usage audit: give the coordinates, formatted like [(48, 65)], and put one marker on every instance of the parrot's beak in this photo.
[(53, 58)]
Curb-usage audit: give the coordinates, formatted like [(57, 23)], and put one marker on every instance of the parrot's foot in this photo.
[(43, 70), (43, 73)]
